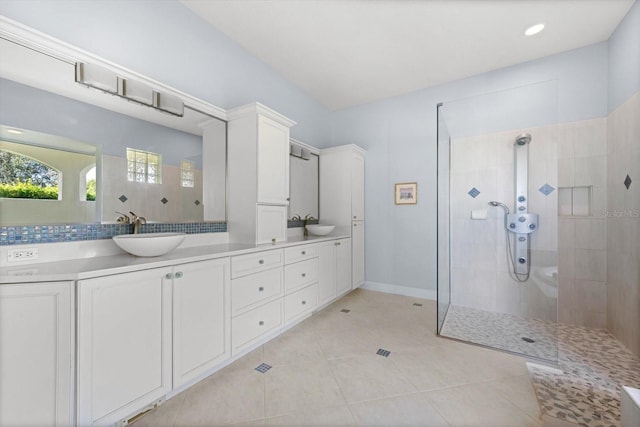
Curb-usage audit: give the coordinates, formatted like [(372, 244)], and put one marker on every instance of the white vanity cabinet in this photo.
[(142, 334), (342, 199), (301, 273), (124, 344), (256, 297), (36, 354), (201, 318), (258, 174), (334, 270)]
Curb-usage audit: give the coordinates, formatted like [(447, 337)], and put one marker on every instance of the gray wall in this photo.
[(624, 59)]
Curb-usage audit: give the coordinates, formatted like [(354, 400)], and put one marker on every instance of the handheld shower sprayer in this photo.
[(502, 205)]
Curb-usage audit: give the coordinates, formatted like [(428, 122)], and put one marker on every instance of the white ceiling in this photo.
[(350, 52)]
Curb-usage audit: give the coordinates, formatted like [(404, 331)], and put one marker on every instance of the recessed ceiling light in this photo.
[(15, 131), (534, 29)]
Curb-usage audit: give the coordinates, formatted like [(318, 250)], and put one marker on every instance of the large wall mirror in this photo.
[(303, 180), (72, 154)]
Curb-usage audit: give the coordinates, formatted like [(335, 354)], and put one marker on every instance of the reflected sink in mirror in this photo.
[(320, 229), (149, 244)]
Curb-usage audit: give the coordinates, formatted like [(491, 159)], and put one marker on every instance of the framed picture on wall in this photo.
[(406, 193)]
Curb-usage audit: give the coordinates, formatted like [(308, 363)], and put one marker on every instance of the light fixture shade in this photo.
[(136, 91), (97, 77), (295, 150), (169, 103)]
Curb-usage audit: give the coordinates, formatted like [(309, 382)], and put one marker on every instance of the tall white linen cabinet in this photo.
[(257, 174), (342, 199)]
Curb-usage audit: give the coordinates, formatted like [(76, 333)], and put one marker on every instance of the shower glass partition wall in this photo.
[(497, 220)]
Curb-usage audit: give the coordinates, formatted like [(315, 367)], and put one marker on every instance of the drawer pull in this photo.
[(304, 302), (179, 275), (261, 323), (169, 276), (304, 252), (304, 274), (260, 289), (261, 261), (337, 243)]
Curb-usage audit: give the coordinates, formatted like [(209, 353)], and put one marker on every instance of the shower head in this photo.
[(502, 205), (523, 139)]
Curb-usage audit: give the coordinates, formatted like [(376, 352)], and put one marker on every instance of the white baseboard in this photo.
[(400, 290)]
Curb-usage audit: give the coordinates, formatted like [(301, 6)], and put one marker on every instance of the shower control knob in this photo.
[(512, 225), (521, 198), (532, 226), (522, 219), (522, 260)]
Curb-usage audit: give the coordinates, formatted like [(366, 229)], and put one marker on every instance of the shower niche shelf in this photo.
[(574, 201)]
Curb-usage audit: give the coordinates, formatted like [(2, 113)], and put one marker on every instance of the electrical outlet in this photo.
[(26, 254)]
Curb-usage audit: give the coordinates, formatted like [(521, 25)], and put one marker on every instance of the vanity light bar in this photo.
[(300, 152), (103, 79), (97, 77)]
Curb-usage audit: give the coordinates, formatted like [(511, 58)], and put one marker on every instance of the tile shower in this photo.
[(585, 257)]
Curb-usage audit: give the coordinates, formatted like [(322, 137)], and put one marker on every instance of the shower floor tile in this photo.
[(592, 363), (530, 337)]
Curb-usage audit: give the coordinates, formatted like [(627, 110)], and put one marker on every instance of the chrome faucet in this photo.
[(123, 218), (307, 218), (137, 221)]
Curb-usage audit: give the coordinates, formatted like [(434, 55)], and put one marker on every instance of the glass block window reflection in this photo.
[(143, 166), (187, 174)]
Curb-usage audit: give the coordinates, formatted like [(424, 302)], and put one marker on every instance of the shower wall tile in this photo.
[(590, 171), (591, 264), (591, 138), (566, 172), (566, 231), (623, 224), (566, 302), (590, 295), (566, 263), (479, 276), (566, 141), (590, 234)]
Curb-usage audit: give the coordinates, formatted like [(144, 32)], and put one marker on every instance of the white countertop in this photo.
[(85, 268)]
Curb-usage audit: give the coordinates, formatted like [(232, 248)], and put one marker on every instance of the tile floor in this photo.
[(326, 372)]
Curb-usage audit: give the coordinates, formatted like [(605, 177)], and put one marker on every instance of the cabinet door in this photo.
[(201, 331), (124, 344), (273, 162), (36, 354), (357, 237), (357, 187), (343, 266), (326, 272), (272, 223)]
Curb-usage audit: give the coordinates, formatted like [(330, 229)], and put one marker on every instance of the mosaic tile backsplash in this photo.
[(30, 234)]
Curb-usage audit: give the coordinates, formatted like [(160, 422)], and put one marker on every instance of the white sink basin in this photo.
[(149, 244), (320, 229)]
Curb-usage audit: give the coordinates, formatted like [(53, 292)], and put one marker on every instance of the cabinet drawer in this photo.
[(300, 274), (253, 324), (300, 253), (255, 288), (242, 265), (300, 302)]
